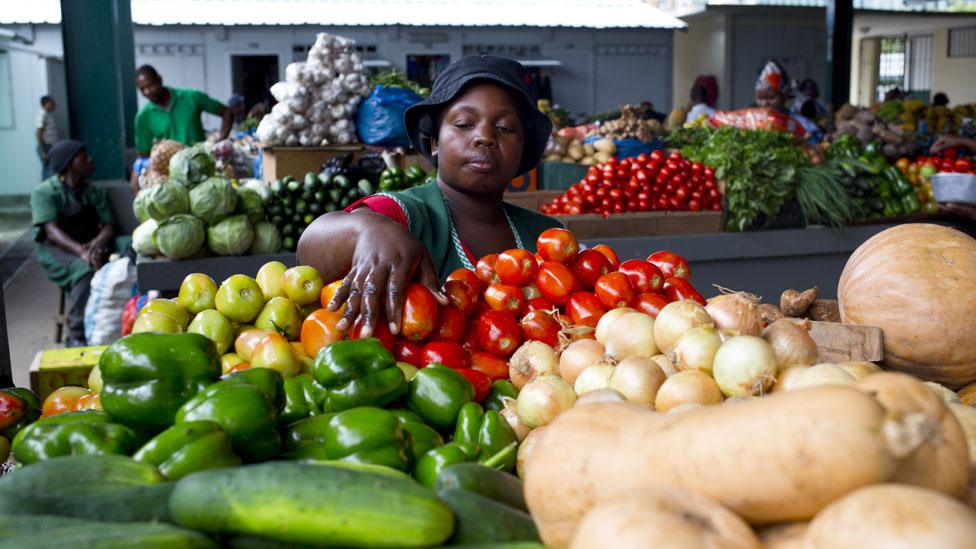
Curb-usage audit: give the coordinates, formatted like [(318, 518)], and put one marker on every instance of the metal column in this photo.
[(98, 56), (840, 33)]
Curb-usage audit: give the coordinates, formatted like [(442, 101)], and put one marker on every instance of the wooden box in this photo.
[(277, 162), (57, 368), (838, 342)]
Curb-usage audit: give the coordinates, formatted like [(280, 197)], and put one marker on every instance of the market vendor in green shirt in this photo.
[(173, 113), (73, 230)]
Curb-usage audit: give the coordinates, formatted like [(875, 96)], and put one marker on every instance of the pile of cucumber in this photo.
[(294, 203)]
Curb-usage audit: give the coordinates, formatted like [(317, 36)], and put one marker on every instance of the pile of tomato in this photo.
[(517, 296), (648, 182), (948, 160)]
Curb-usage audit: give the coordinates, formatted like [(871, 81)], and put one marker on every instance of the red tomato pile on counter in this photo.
[(946, 161), (647, 182)]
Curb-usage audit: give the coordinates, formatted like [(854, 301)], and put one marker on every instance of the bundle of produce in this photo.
[(395, 78), (575, 151), (647, 182), (879, 189), (232, 161), (318, 98), (395, 179), (632, 121), (867, 127), (159, 158)]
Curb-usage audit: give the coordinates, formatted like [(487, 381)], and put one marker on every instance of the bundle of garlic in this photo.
[(318, 98)]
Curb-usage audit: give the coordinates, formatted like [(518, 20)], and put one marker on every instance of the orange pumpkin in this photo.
[(918, 283)]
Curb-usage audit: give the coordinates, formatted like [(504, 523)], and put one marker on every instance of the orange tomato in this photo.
[(319, 330), (62, 400), (239, 367), (90, 401), (328, 292)]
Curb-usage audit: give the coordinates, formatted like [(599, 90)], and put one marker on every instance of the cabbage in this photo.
[(144, 238), (267, 239), (139, 206), (250, 204), (263, 189), (213, 200), (166, 199), (232, 236), (191, 166), (180, 236)]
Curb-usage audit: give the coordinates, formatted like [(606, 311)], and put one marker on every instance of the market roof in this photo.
[(682, 8), (594, 14)]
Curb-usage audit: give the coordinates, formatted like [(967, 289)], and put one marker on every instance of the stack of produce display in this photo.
[(879, 188), (194, 213), (647, 182), (630, 122), (868, 127), (318, 98), (232, 160), (159, 157), (575, 151), (395, 78)]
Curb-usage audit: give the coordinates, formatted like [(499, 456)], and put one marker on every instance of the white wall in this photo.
[(700, 50)]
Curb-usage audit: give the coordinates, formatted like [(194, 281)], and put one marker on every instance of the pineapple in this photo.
[(161, 153)]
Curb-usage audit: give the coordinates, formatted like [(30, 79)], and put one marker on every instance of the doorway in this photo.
[(422, 69), (252, 76)]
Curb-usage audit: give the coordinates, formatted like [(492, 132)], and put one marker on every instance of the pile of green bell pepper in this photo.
[(359, 372), (74, 433), (359, 435), (880, 189), (437, 394), (187, 448), (395, 179)]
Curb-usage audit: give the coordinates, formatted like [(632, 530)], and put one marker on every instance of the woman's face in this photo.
[(771, 99), (82, 164), (480, 140)]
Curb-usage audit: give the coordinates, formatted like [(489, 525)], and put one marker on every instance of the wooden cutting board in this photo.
[(838, 342)]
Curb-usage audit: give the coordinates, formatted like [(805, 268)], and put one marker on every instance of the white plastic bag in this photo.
[(111, 287)]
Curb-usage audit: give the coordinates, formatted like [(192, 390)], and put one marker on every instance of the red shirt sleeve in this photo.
[(382, 205)]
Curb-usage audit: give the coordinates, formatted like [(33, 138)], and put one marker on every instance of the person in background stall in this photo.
[(809, 92), (699, 105), (772, 93), (481, 128), (46, 132), (73, 230), (940, 100), (237, 108)]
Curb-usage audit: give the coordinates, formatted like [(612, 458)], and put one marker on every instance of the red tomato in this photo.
[(448, 353), (485, 269), (539, 304), (541, 326), (408, 351), (480, 381), (679, 288), (588, 266), (555, 281), (451, 324), (611, 255), (12, 409), (490, 365), (381, 332), (499, 333), (643, 276), (463, 296), (468, 277), (516, 267), (419, 313), (502, 297), (557, 245), (585, 309), (650, 303), (671, 264), (470, 340), (963, 164), (614, 290)]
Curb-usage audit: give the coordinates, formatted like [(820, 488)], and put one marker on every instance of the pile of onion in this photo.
[(696, 348), (631, 335), (531, 360), (791, 341), (737, 312), (675, 319), (745, 365), (543, 399), (690, 386), (822, 374), (578, 356), (637, 379), (607, 320)]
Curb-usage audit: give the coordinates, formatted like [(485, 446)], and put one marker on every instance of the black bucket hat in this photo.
[(62, 153), (510, 74)]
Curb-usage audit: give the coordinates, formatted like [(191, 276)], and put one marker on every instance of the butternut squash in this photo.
[(967, 395), (917, 282)]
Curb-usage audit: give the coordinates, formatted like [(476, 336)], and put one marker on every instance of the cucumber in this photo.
[(98, 487), (45, 533), (341, 182), (484, 520), (311, 178), (311, 503), (491, 483), (294, 187)]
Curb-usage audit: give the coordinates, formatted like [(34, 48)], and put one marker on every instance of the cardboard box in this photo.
[(57, 368), (277, 162)]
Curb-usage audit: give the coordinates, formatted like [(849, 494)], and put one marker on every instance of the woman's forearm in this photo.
[(61, 239)]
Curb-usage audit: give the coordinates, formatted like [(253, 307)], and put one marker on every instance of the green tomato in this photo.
[(302, 284), (927, 171), (409, 370), (215, 326), (152, 321), (169, 308), (269, 278), (197, 292), (239, 298), (280, 315)]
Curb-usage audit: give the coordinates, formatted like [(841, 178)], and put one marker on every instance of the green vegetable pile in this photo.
[(395, 78), (879, 189), (394, 179)]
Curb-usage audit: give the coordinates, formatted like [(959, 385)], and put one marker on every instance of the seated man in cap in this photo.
[(73, 229), (481, 128)]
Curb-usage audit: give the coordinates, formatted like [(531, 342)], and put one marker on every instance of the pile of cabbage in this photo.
[(318, 99), (194, 213)]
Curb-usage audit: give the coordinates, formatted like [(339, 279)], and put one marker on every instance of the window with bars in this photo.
[(962, 42), (905, 62)]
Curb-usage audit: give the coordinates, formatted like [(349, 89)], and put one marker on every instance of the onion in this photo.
[(684, 387), (823, 374), (532, 359), (744, 365), (786, 377), (632, 335), (525, 449), (510, 413), (966, 416), (638, 380), (665, 364), (859, 370), (944, 393), (736, 312), (600, 395), (686, 407), (675, 319), (578, 356), (696, 349), (607, 320), (594, 378), (791, 341), (544, 398)]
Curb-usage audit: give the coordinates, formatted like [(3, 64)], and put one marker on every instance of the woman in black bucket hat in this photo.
[(481, 128)]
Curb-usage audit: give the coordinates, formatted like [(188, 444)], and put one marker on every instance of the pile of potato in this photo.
[(574, 151)]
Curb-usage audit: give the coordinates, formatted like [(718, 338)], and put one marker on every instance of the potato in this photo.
[(587, 161), (554, 158), (601, 157), (588, 150), (606, 145)]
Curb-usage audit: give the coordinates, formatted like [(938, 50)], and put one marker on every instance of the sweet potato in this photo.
[(824, 310), (795, 303)]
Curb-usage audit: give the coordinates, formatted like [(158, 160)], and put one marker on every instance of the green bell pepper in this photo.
[(303, 398), (425, 438), (358, 372), (487, 430), (148, 376), (430, 464), (187, 448), (359, 435), (900, 185), (910, 203), (267, 380), (73, 433), (437, 394), (29, 413), (499, 389), (246, 411)]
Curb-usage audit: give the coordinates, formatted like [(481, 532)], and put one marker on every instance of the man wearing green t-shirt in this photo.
[(173, 113)]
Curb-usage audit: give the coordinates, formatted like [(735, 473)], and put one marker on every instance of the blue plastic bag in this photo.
[(380, 117)]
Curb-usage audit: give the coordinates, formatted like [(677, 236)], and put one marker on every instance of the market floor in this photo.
[(31, 302)]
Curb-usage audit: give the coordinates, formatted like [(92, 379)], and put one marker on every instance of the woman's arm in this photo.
[(374, 255), (949, 141), (61, 239)]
